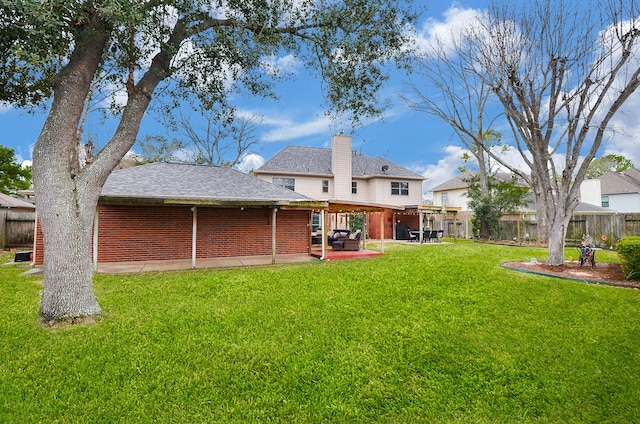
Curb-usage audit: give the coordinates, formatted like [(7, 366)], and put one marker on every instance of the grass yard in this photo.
[(431, 333)]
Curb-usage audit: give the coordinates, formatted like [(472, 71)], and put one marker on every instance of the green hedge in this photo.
[(629, 250)]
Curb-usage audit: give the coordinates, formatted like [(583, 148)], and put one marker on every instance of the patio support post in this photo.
[(273, 236), (364, 229), (394, 229), (421, 218), (194, 232), (324, 216), (382, 231), (455, 226), (96, 217)]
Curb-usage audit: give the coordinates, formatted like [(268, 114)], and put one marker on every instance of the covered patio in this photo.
[(324, 251), (420, 218)]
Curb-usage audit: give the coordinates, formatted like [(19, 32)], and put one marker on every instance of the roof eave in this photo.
[(302, 174), (229, 202)]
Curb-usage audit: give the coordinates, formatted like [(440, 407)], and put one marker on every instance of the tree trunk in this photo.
[(68, 291), (556, 243), (559, 218), (541, 217), (66, 195), (66, 207)]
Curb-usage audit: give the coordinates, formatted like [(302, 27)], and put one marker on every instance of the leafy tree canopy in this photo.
[(506, 194), (211, 47), (13, 176), (607, 163)]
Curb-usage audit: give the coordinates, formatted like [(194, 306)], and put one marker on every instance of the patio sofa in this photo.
[(349, 243), (337, 235)]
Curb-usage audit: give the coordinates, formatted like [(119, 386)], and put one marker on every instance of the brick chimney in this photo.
[(341, 165)]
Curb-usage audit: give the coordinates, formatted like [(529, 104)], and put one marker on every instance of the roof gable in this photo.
[(179, 181), (620, 182), (317, 161)]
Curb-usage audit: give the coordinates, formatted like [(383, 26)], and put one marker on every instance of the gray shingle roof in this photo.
[(178, 181), (589, 208), (317, 161), (620, 182), (7, 201), (458, 182)]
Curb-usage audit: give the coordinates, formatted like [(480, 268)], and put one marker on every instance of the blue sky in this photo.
[(412, 139)]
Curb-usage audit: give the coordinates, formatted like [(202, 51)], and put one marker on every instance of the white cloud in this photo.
[(5, 107), (280, 66), (456, 21), (250, 162), (444, 170), (286, 128)]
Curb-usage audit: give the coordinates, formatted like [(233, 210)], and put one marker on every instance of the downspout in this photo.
[(273, 236), (324, 237), (194, 231)]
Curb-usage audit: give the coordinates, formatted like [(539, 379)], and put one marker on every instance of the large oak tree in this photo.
[(64, 52)]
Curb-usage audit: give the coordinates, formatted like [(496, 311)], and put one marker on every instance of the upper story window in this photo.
[(354, 187), (605, 201), (289, 183), (445, 199), (400, 188), (325, 186)]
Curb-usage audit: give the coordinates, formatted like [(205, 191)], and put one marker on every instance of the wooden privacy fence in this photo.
[(604, 230), (595, 226), (16, 229)]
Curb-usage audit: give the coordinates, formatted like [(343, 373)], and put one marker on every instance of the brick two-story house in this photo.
[(342, 175)]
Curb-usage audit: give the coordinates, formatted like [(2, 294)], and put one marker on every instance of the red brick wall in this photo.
[(409, 220), (374, 224), (235, 232), (142, 233), (38, 257)]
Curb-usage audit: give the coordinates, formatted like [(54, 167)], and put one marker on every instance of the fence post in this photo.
[(3, 228)]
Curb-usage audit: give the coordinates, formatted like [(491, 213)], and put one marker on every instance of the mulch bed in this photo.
[(609, 273)]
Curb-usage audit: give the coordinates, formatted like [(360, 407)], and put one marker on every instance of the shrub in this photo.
[(629, 250)]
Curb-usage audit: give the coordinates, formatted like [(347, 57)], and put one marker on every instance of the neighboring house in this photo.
[(452, 193), (17, 222), (171, 211), (341, 174), (621, 190)]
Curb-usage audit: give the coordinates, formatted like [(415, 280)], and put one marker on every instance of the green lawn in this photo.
[(432, 333)]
